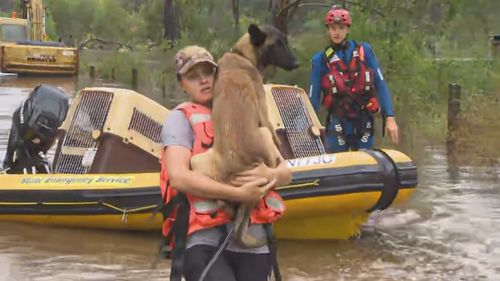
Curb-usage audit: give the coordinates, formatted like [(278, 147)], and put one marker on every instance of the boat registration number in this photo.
[(310, 161)]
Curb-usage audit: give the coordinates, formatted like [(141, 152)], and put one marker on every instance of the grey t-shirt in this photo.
[(177, 131)]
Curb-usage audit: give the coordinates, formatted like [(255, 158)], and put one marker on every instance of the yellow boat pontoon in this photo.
[(105, 171)]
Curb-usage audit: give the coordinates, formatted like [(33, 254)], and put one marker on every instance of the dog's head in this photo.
[(270, 47)]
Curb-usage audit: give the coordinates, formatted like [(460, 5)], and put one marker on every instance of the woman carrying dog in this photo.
[(195, 227), (350, 78)]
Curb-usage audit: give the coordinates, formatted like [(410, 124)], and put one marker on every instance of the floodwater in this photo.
[(449, 230)]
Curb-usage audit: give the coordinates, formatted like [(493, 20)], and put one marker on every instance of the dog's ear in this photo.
[(257, 36)]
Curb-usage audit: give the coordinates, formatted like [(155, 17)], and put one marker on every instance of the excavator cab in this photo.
[(13, 30)]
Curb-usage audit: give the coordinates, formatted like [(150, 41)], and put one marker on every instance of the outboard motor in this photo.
[(34, 128)]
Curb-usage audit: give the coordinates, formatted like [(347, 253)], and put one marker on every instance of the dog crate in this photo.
[(295, 122), (110, 130)]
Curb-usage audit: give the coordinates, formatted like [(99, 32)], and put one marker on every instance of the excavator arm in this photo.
[(34, 12)]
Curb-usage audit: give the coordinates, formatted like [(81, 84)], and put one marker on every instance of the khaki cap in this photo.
[(187, 57)]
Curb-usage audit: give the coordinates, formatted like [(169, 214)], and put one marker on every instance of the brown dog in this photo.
[(243, 134)]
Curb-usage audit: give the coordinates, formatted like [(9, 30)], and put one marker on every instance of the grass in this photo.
[(420, 99)]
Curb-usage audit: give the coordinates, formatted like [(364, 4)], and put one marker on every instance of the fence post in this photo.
[(163, 81), (92, 73), (454, 95), (134, 79), (495, 43)]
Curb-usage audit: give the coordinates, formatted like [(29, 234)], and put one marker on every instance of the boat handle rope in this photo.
[(124, 216), (305, 184), (124, 211)]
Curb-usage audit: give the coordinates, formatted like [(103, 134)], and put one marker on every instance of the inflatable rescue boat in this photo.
[(104, 173)]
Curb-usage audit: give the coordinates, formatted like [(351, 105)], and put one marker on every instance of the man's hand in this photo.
[(391, 129)]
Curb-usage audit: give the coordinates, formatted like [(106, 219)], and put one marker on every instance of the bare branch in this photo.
[(302, 3)]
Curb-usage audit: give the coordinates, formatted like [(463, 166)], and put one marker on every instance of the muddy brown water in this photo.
[(449, 230)]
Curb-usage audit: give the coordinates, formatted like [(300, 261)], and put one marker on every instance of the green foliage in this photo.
[(419, 44), (152, 17), (6, 7), (113, 65), (112, 21), (73, 19), (106, 19)]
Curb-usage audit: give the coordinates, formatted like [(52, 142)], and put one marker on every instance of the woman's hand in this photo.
[(391, 129), (252, 191), (257, 172), (281, 174)]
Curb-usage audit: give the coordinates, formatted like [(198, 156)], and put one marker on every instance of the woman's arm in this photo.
[(177, 161), (282, 174)]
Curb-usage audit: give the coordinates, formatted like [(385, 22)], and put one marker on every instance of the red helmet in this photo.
[(338, 15)]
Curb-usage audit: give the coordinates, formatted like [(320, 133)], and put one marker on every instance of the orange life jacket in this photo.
[(204, 213), (348, 88)]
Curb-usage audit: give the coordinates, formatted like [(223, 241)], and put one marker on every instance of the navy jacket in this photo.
[(319, 69)]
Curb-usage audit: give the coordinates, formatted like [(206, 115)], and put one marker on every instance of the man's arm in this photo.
[(315, 80), (383, 93)]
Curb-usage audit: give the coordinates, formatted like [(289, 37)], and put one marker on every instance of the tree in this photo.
[(236, 13), (280, 14), (169, 20)]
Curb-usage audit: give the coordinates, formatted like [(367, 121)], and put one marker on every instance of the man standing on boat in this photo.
[(354, 90)]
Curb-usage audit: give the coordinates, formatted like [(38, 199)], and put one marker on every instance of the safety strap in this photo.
[(223, 242), (164, 247), (361, 123), (329, 52), (161, 207), (271, 241), (383, 124), (330, 114), (329, 117), (178, 232)]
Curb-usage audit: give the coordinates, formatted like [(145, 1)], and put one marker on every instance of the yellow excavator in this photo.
[(24, 48)]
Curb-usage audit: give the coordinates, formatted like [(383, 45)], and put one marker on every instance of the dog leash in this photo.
[(217, 254)]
